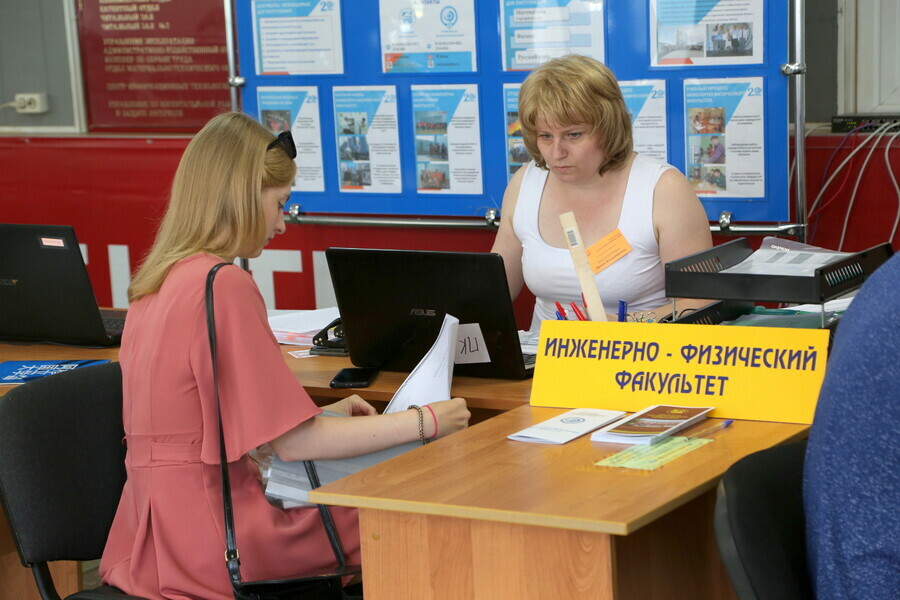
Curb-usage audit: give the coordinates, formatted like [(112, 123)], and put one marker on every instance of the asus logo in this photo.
[(422, 312), (9, 282)]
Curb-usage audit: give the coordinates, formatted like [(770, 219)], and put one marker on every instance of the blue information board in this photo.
[(630, 46)]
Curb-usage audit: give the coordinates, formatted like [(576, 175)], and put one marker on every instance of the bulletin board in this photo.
[(391, 121)]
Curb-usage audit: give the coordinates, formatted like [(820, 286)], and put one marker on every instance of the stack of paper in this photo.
[(288, 482)]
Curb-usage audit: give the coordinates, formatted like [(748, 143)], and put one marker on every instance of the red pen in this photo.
[(578, 313), (561, 310)]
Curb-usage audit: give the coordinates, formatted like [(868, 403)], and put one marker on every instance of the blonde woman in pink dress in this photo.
[(167, 540)]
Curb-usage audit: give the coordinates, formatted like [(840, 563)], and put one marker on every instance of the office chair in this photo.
[(760, 526), (62, 469)]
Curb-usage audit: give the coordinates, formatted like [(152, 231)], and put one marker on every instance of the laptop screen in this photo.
[(45, 291), (392, 304)]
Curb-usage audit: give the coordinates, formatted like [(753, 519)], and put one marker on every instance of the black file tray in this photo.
[(715, 313), (699, 276)]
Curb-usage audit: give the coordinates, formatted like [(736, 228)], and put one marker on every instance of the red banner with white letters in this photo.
[(153, 65)]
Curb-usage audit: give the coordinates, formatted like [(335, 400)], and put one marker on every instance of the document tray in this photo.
[(699, 276)]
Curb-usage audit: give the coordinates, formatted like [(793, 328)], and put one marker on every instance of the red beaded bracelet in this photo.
[(431, 410)]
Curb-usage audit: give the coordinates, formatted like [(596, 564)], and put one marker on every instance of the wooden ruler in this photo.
[(595, 309)]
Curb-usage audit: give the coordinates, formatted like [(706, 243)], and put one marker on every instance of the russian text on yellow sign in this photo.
[(756, 373)]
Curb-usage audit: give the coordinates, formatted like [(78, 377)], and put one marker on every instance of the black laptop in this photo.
[(393, 302), (45, 293)]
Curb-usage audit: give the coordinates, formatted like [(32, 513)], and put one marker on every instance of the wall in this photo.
[(821, 60), (34, 57), (113, 190)]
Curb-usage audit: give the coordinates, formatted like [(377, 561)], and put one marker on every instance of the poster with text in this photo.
[(435, 36), (646, 103), (368, 143), (706, 32), (296, 109), (724, 129), (535, 31), (297, 37), (448, 139), (516, 153)]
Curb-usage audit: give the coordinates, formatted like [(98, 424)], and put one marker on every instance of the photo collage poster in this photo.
[(296, 109), (448, 139), (365, 119)]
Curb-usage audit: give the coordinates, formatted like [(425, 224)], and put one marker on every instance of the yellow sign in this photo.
[(756, 373)]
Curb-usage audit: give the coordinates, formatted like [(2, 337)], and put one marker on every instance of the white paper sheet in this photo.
[(766, 261), (567, 426), (470, 345), (430, 380)]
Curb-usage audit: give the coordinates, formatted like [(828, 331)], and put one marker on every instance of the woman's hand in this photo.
[(452, 415), (352, 406)]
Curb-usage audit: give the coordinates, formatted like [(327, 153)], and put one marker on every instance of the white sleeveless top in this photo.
[(638, 277)]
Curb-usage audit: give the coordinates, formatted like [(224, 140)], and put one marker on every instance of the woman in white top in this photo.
[(578, 131)]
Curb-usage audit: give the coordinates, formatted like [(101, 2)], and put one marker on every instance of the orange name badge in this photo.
[(607, 250)]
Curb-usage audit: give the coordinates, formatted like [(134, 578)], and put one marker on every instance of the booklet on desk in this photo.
[(567, 426), (15, 372), (651, 425)]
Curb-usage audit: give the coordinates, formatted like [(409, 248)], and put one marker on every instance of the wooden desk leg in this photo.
[(675, 557), (423, 557)]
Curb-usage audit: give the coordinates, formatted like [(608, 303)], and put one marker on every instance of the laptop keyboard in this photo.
[(111, 324)]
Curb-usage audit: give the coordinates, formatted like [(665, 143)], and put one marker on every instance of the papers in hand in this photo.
[(651, 425), (567, 426), (430, 380)]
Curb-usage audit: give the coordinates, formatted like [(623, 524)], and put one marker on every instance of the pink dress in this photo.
[(167, 539)]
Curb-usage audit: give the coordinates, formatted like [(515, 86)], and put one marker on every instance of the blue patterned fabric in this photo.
[(852, 471)]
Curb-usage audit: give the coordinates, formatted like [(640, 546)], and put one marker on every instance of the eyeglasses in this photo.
[(287, 142)]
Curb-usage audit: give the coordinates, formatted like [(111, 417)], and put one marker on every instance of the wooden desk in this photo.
[(475, 515), (315, 373), (486, 397)]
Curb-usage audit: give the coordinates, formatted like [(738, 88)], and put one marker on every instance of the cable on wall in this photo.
[(881, 131), (887, 162)]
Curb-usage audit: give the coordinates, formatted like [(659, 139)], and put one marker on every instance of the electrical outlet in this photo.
[(31, 103)]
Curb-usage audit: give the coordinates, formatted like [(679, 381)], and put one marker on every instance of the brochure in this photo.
[(651, 425), (15, 372), (567, 426)]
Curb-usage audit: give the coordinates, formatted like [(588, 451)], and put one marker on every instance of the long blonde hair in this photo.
[(214, 205), (572, 90)]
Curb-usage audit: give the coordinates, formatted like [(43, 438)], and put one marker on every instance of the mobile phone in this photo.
[(354, 377)]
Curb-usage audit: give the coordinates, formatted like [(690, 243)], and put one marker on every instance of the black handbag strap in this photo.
[(232, 556)]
